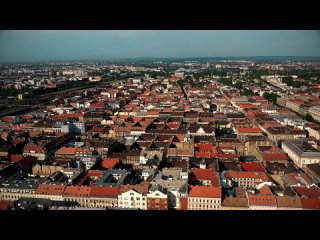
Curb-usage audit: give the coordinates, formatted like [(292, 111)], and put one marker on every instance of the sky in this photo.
[(59, 45)]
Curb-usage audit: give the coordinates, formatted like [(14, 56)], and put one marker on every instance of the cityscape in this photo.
[(160, 133)]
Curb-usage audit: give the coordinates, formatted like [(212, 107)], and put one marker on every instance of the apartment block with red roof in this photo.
[(104, 196), (296, 179), (204, 198), (262, 202), (247, 179), (242, 133), (288, 203), (270, 154), (78, 194), (204, 177), (53, 192), (36, 151)]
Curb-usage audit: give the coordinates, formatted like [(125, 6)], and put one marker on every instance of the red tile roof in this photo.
[(262, 200), (67, 150), (254, 175), (265, 190), (68, 115), (204, 192), (141, 188), (311, 192), (95, 173), (206, 174), (310, 203), (295, 178), (4, 205), (15, 157), (270, 124), (29, 148), (82, 191), (277, 156), (202, 154), (173, 125), (97, 105), (225, 156), (109, 163), (251, 167), (205, 147), (246, 105), (97, 191), (50, 189), (249, 130), (17, 141)]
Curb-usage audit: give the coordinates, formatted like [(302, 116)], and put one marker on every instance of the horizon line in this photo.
[(150, 58)]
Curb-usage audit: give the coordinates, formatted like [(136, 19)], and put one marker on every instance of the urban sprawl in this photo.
[(160, 135)]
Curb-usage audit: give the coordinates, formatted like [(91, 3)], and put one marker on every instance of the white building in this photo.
[(301, 152), (132, 199), (315, 112)]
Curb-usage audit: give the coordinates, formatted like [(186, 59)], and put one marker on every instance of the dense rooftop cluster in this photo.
[(161, 143)]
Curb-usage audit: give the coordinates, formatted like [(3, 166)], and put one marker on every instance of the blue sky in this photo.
[(51, 45)]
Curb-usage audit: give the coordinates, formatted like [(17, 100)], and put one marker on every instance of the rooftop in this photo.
[(204, 192)]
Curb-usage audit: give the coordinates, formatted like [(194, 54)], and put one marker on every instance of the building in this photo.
[(157, 199), (301, 152), (235, 203), (242, 133), (314, 130), (262, 202), (36, 151), (288, 203), (104, 197), (53, 192), (246, 179), (204, 198), (17, 189), (176, 190), (4, 151), (79, 195), (277, 133), (134, 197), (315, 112), (204, 177), (296, 179), (270, 154), (313, 170), (113, 178)]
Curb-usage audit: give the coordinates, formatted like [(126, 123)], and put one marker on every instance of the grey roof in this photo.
[(21, 184), (297, 150), (157, 187), (172, 172), (113, 177), (150, 171), (315, 168)]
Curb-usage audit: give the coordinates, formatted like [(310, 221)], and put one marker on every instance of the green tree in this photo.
[(308, 117), (271, 97)]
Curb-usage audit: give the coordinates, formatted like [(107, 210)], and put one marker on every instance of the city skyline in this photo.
[(62, 45)]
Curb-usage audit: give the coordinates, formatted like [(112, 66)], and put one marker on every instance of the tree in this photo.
[(308, 117), (271, 97)]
